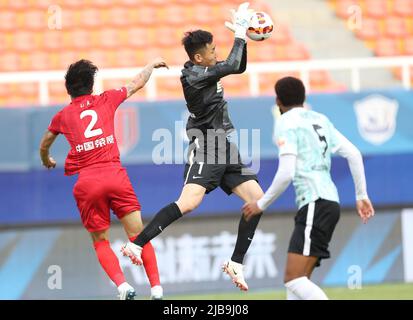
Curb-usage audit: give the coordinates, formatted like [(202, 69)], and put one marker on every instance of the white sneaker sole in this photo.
[(241, 284), (128, 253), (130, 295)]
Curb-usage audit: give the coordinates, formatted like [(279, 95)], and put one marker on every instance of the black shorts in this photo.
[(213, 165), (314, 227)]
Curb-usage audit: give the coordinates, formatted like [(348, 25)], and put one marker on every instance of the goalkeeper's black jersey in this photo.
[(204, 93)]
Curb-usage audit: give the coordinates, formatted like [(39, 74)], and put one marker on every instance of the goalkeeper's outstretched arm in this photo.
[(236, 61), (243, 66)]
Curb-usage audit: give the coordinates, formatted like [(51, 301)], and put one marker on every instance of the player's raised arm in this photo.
[(45, 144), (236, 61), (140, 80), (355, 161)]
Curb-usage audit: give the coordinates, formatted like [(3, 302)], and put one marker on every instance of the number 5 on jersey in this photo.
[(318, 129), (90, 132)]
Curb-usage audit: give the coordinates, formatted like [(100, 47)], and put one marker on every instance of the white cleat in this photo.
[(126, 292), (156, 293), (235, 271), (134, 252)]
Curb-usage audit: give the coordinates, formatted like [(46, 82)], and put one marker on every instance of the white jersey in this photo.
[(312, 138)]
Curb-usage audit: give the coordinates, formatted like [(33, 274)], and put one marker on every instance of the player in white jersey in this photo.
[(306, 141)]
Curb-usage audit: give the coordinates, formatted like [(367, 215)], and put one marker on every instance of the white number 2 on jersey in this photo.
[(90, 132)]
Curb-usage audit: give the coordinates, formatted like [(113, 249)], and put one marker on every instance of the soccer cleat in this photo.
[(234, 270), (134, 252), (126, 292), (156, 293)]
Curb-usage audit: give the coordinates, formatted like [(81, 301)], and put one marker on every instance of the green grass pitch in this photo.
[(399, 291)]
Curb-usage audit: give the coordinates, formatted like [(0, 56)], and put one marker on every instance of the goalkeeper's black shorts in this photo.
[(213, 166)]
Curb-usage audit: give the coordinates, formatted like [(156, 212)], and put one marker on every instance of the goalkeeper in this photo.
[(213, 161)]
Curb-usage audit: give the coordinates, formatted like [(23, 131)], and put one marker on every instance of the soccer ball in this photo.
[(261, 26)]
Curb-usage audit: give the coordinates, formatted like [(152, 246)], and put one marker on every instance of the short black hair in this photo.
[(80, 77), (194, 41), (290, 91)]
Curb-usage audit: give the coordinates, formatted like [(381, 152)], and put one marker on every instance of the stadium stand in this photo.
[(119, 34), (387, 26)]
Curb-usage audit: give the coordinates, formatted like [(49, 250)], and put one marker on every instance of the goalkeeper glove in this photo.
[(240, 20)]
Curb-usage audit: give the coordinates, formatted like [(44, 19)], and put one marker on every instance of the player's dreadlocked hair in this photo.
[(290, 91), (194, 41), (80, 78)]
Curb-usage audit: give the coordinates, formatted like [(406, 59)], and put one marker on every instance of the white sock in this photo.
[(291, 295), (305, 289)]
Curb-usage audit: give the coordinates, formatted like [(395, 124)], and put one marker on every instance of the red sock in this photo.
[(150, 263), (109, 261)]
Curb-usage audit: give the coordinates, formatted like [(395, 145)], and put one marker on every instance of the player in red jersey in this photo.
[(103, 184)]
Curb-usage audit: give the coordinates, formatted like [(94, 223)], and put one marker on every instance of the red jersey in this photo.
[(88, 125)]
